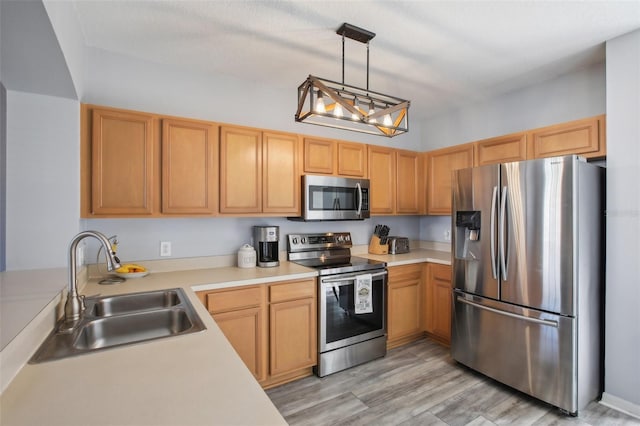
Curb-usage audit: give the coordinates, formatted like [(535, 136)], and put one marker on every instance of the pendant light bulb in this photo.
[(356, 105), (337, 110), (320, 103), (387, 120), (371, 112)]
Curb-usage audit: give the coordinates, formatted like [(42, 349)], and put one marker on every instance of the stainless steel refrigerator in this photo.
[(528, 275)]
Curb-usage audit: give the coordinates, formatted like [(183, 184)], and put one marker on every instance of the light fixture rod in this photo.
[(367, 66)]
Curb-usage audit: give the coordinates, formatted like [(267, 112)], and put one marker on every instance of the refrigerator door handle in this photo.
[(508, 314), (494, 201), (502, 232)]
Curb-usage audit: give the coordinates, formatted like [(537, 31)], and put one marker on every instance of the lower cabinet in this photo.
[(438, 302), (404, 307), (272, 327)]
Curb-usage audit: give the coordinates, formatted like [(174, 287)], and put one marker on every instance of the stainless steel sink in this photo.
[(115, 321), (135, 302)]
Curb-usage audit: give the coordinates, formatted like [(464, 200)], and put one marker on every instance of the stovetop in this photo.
[(329, 253)]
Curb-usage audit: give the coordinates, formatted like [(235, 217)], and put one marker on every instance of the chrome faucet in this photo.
[(74, 306)]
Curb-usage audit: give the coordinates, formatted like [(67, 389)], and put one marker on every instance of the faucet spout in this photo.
[(74, 305)]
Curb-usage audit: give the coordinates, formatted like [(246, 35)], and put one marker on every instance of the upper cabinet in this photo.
[(382, 177), (259, 172), (409, 183), (352, 159), (502, 149), (189, 167), (145, 165), (584, 137), (440, 164), (122, 162), (325, 156)]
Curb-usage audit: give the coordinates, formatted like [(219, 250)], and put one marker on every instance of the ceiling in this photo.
[(438, 54)]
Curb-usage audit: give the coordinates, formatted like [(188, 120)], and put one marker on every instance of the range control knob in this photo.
[(347, 237), (340, 238), (295, 240), (303, 240)]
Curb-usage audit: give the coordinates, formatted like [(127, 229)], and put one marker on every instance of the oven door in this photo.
[(335, 198), (340, 326)]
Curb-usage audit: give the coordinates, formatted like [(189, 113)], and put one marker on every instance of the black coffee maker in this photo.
[(265, 241)]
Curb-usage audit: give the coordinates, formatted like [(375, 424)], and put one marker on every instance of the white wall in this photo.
[(139, 239), (569, 97), (3, 175), (622, 354), (43, 179), (125, 82)]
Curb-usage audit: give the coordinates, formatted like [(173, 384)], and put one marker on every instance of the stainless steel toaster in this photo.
[(398, 245)]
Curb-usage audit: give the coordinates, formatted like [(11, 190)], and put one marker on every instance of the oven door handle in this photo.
[(351, 277)]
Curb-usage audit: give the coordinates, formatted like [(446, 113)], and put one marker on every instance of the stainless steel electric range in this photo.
[(352, 325)]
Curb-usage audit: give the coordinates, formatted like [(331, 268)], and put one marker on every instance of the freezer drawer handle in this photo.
[(509, 314)]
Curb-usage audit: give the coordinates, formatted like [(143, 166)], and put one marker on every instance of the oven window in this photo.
[(332, 198), (342, 322)]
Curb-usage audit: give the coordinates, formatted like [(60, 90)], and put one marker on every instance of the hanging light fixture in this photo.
[(324, 102)]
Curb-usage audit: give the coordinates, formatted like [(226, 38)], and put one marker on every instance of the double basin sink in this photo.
[(114, 321)]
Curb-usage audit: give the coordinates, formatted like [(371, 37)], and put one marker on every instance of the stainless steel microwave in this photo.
[(334, 198)]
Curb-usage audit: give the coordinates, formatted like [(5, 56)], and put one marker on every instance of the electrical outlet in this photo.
[(165, 248), (447, 235)]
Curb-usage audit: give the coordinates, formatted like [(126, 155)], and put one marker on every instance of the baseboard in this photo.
[(621, 405)]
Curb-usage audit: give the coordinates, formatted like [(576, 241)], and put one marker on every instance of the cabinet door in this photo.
[(440, 165), (281, 174), (408, 182), (244, 330), (382, 176), (122, 163), (189, 167), (502, 149), (352, 159), (292, 335), (403, 304), (438, 309), (319, 156), (584, 137), (240, 170)]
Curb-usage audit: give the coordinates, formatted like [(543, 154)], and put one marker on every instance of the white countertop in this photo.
[(193, 379)]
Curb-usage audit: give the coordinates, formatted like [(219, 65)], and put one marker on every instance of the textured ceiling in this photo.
[(438, 54)]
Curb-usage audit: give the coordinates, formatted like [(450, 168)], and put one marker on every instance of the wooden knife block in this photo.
[(375, 247)]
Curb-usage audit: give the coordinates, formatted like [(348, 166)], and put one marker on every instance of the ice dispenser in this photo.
[(467, 231)]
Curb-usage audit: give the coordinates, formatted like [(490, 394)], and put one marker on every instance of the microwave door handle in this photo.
[(359, 188)]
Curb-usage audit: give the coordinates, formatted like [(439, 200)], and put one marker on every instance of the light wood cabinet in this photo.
[(240, 170), (122, 163), (382, 179), (404, 306), (352, 159), (325, 156), (502, 149), (189, 167), (240, 314), (440, 164), (292, 321), (280, 173), (273, 328), (438, 302), (408, 182), (584, 137), (319, 156), (259, 172)]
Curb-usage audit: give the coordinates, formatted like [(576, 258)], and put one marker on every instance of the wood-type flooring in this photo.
[(419, 384)]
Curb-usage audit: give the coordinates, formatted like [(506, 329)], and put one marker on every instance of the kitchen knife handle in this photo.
[(502, 233), (359, 198), (494, 200)]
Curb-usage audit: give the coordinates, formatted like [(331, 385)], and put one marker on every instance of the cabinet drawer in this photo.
[(292, 290), (230, 300), (441, 272), (406, 272)]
